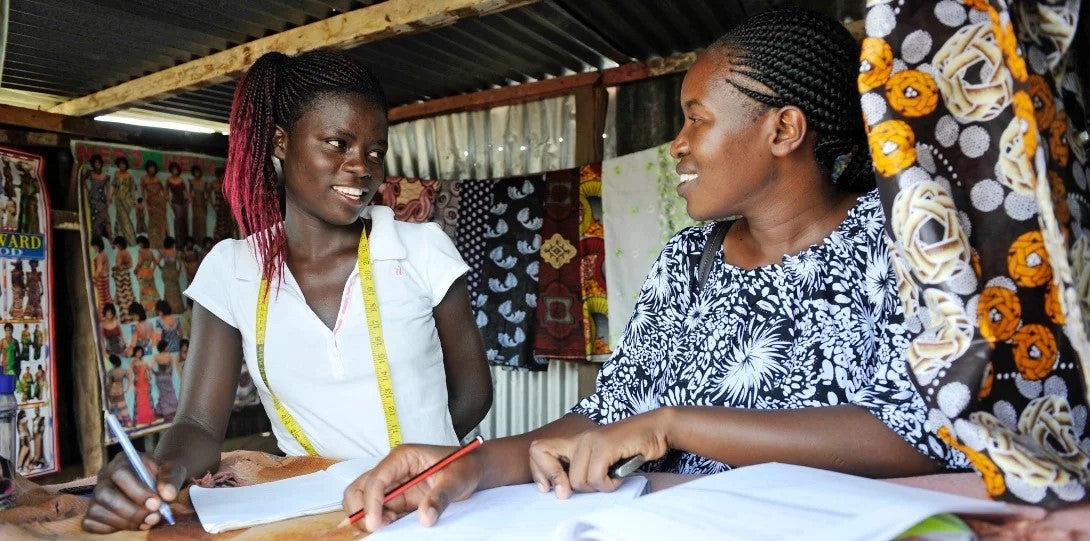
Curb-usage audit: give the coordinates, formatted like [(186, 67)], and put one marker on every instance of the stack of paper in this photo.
[(517, 513), (773, 502), (223, 509)]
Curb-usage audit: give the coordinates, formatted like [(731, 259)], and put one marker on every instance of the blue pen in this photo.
[(137, 463)]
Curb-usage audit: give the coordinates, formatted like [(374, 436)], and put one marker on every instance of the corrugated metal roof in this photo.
[(73, 48)]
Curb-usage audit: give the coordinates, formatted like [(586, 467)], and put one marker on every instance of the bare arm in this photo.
[(192, 444), (469, 384), (842, 438), (207, 397)]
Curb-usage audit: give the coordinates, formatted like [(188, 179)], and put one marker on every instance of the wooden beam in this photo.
[(638, 71), (52, 122), (495, 97), (547, 88), (373, 23)]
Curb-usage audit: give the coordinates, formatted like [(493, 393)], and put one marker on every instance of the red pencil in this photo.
[(459, 453)]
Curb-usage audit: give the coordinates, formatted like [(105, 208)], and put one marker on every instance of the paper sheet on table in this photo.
[(230, 508), (518, 513), (773, 502)]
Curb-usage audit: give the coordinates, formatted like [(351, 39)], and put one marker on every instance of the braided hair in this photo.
[(277, 91), (808, 60)]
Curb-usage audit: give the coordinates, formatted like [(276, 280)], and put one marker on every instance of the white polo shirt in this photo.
[(326, 378)]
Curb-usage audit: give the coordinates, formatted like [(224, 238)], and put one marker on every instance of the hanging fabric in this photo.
[(978, 136), (507, 297), (412, 199), (641, 210), (559, 316), (592, 253)]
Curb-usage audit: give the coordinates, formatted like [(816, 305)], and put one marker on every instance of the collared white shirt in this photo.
[(326, 378)]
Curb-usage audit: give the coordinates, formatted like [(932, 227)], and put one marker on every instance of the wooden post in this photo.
[(590, 122)]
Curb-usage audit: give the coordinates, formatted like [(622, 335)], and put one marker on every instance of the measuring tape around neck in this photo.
[(378, 353)]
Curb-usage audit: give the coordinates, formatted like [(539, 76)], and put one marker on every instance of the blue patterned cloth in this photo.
[(822, 328), (507, 300)]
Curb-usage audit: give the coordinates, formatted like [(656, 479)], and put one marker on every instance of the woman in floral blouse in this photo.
[(792, 351)]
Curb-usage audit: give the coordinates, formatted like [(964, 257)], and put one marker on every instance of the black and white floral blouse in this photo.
[(822, 328)]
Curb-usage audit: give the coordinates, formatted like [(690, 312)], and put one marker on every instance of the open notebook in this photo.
[(223, 509), (773, 502), (518, 513)]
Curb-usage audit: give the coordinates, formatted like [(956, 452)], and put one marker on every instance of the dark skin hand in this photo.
[(811, 437)]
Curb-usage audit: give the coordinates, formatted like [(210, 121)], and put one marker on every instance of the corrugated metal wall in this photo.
[(525, 400)]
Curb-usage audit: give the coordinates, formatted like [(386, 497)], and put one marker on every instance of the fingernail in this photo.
[(152, 519), (169, 492), (145, 526), (432, 515), (153, 504), (542, 488)]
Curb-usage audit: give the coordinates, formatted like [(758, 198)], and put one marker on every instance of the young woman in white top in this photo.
[(357, 328)]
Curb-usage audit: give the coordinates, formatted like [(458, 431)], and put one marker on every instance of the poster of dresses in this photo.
[(26, 312), (150, 217)]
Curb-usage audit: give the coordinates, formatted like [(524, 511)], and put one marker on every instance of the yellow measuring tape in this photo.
[(378, 351)]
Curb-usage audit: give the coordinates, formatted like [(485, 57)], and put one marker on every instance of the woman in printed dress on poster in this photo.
[(28, 201), (118, 381), (122, 275), (167, 405), (220, 206), (100, 273), (111, 330), (98, 185), (155, 199), (141, 385), (190, 259), (122, 196), (179, 200), (169, 327), (145, 274), (198, 203), (18, 289), (34, 292), (170, 270), (142, 332)]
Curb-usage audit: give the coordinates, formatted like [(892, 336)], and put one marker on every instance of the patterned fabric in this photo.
[(823, 328), (412, 199), (476, 200), (507, 300), (977, 134), (446, 209), (592, 252), (640, 212), (559, 333)]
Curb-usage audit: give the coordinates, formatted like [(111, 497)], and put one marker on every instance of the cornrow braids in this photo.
[(277, 91), (808, 60)]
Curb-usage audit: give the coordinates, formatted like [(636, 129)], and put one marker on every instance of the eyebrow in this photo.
[(689, 103)]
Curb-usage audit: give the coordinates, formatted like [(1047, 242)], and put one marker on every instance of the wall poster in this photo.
[(26, 308), (149, 218)]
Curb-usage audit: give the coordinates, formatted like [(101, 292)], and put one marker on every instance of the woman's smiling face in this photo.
[(722, 146), (333, 157)]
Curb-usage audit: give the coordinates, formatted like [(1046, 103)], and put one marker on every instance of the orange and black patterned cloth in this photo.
[(978, 135)]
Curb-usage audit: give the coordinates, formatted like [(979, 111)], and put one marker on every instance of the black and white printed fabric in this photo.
[(822, 328), (507, 299)]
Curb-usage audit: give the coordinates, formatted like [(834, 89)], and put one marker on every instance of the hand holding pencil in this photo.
[(413, 477)]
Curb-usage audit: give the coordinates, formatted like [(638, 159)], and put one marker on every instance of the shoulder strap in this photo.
[(711, 248)]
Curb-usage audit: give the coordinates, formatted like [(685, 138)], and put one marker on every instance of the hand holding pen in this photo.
[(413, 477), (123, 500)]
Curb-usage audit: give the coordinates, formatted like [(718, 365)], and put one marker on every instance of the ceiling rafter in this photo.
[(373, 23)]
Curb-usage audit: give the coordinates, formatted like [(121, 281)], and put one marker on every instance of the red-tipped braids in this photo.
[(276, 91)]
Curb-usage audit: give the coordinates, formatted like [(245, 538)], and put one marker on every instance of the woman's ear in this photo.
[(790, 129), (280, 143)]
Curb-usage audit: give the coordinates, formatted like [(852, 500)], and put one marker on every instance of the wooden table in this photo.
[(43, 513)]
